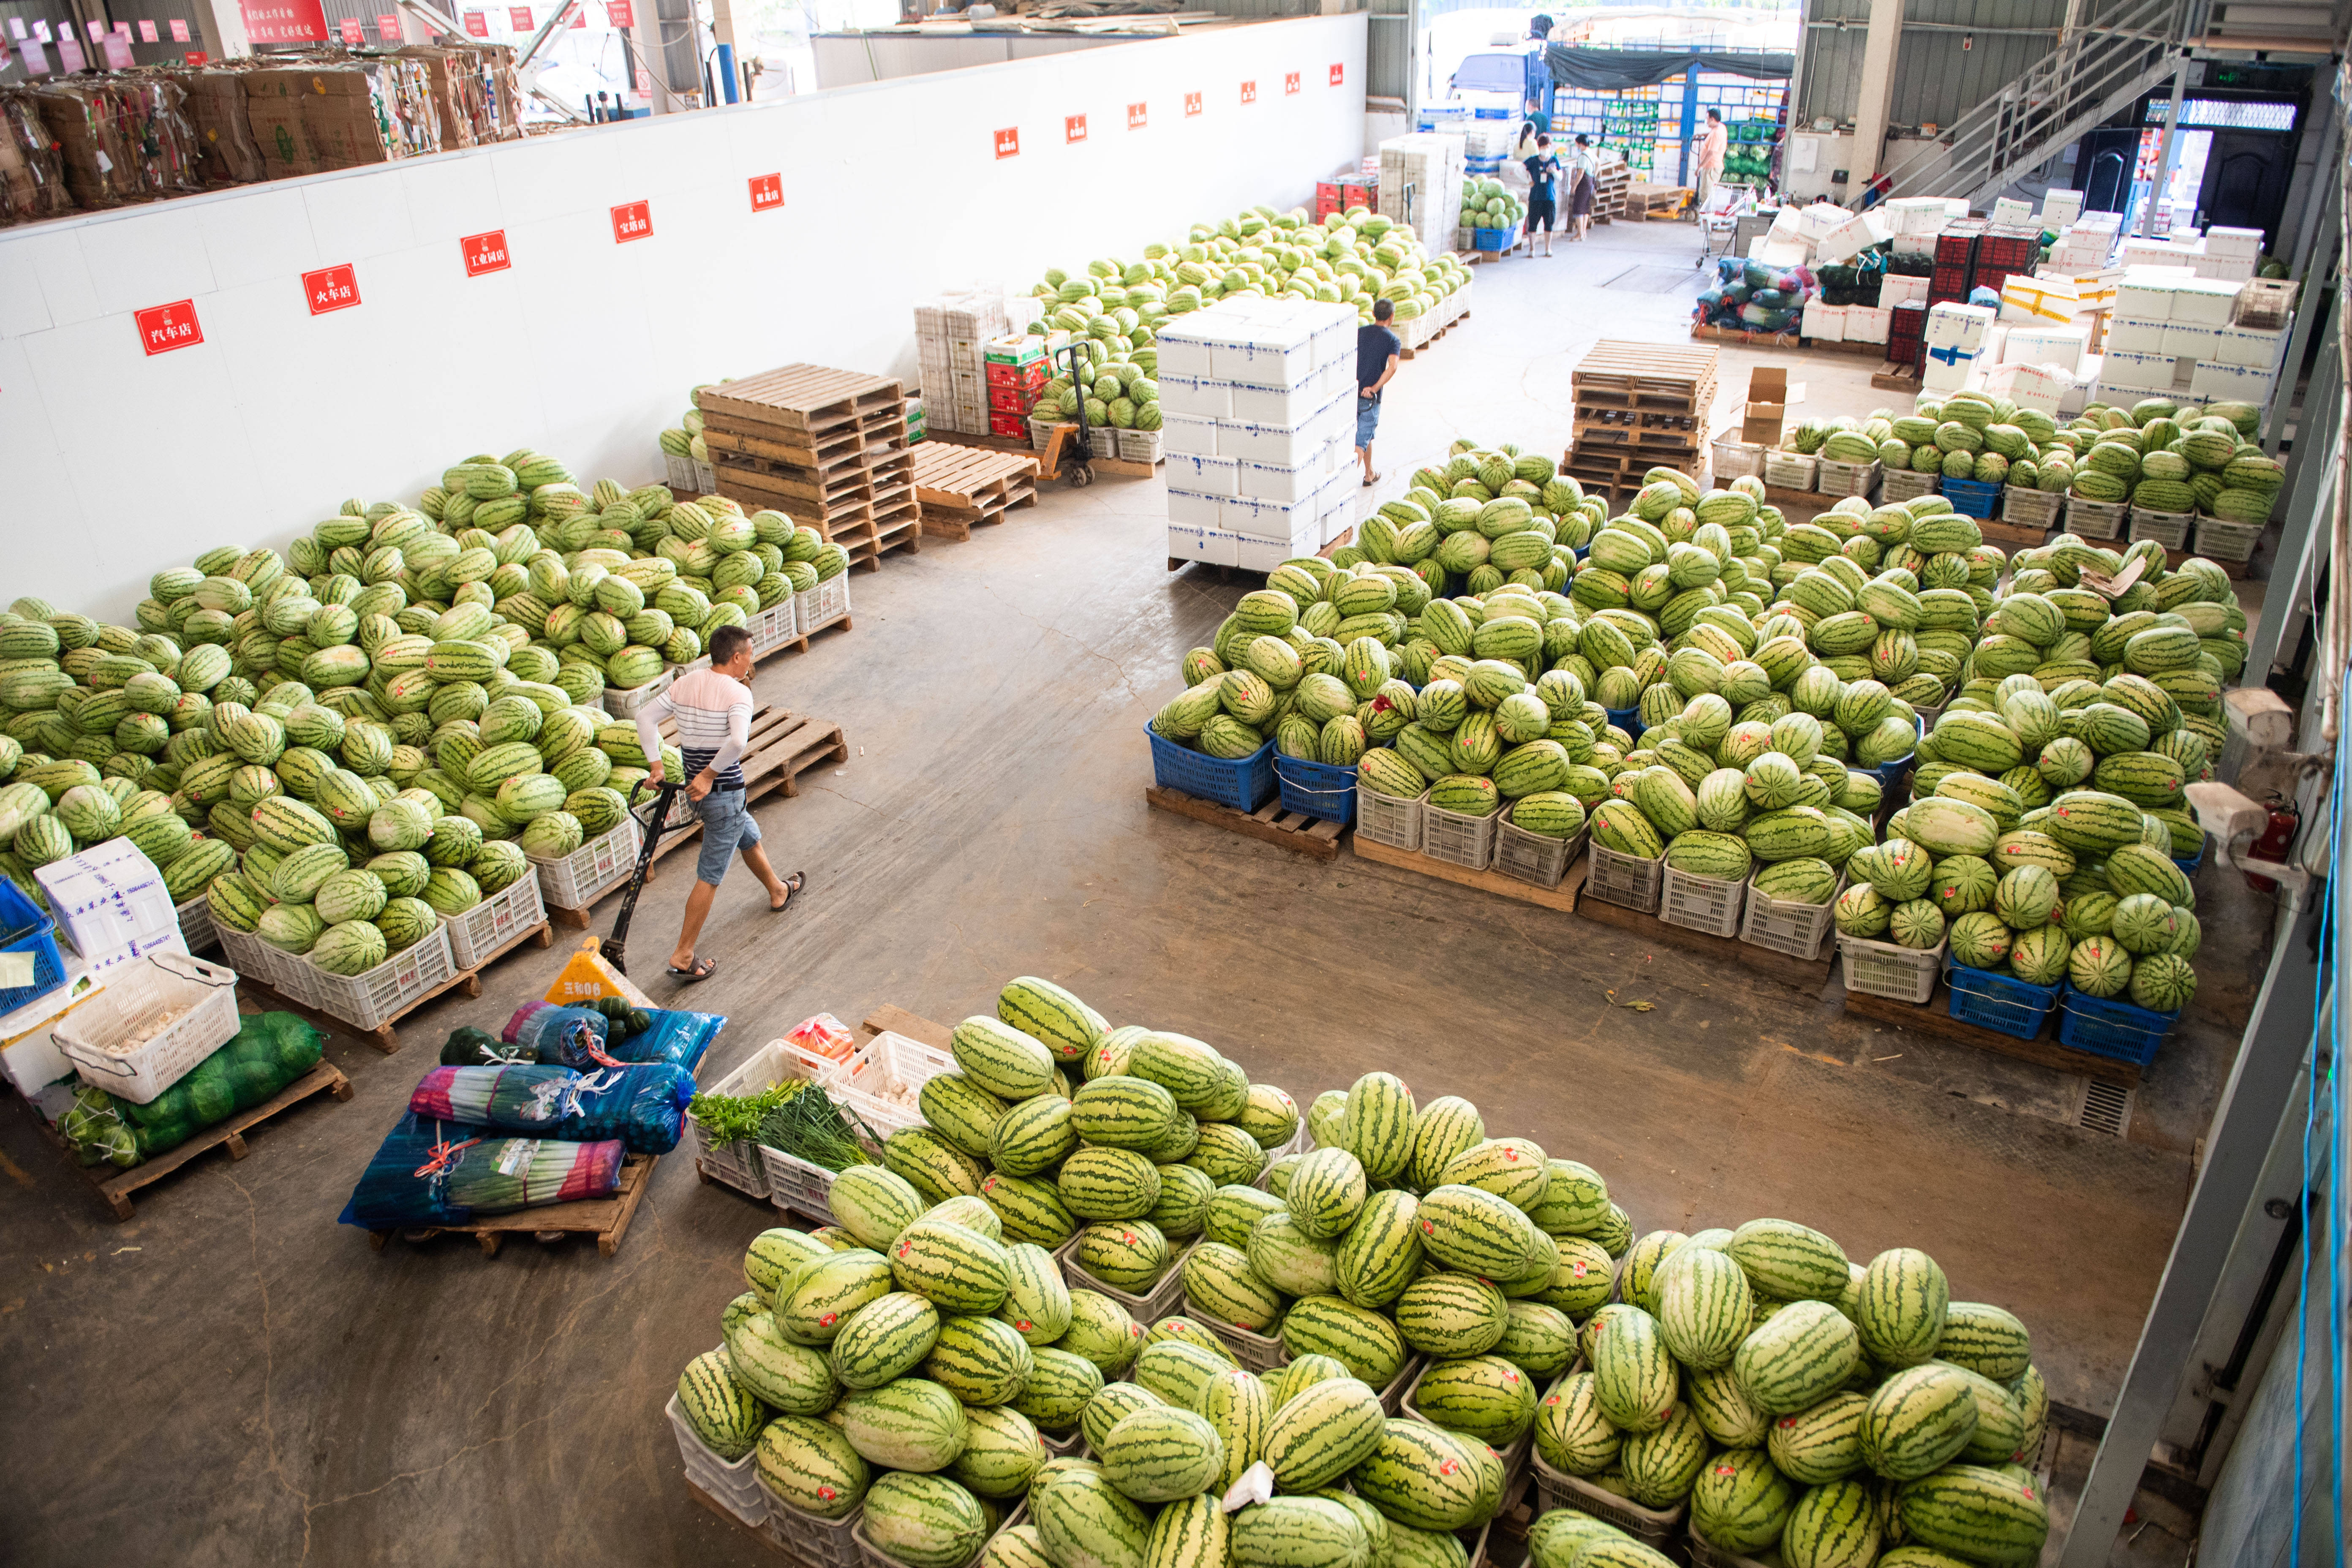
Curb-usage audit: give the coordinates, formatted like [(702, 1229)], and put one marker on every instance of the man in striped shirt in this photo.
[(713, 710)]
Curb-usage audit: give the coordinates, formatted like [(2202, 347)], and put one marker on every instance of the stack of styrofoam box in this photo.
[(1258, 401), (1421, 185), (2166, 339), (1917, 214), (1955, 336), (111, 904), (950, 333), (1824, 323), (2082, 247), (1486, 142), (2230, 254), (2060, 208)]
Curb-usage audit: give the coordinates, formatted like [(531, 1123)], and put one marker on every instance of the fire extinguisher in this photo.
[(2276, 841)]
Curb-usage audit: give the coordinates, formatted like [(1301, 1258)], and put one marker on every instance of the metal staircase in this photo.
[(2114, 51)]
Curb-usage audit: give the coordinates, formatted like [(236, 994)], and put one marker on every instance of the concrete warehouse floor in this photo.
[(231, 1378)]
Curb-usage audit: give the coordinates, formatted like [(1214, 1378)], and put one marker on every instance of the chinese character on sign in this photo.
[(387, 27), (69, 55), (1008, 142), (518, 18), (1339, 75), (1135, 116), (632, 220), (167, 327), (620, 13), (330, 289), (117, 50), (179, 31), (1249, 92), (1191, 104), (148, 35), (1289, 83), (477, 24), (1074, 127), (97, 31), (197, 56), (485, 252), (284, 21), (767, 192), (349, 28)]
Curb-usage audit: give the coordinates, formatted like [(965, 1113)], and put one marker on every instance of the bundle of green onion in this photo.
[(794, 1118)]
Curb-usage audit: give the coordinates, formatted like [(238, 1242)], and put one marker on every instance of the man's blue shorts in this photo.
[(727, 826), (1367, 419)]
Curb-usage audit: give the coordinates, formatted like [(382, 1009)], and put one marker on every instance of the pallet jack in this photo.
[(1070, 457), (651, 826)]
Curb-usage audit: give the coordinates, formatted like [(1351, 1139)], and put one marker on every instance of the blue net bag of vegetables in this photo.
[(644, 1105), (431, 1171)]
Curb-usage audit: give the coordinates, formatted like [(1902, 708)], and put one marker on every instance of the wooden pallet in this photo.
[(964, 488), (1562, 898), (1225, 573), (1894, 376), (1804, 975), (606, 1220), (784, 745), (1653, 376), (810, 398), (1703, 334), (115, 1188), (1646, 201), (1655, 445), (1933, 1019), (1269, 824)]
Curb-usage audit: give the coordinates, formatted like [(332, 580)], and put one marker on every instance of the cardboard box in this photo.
[(216, 103), (2183, 340), (1868, 324), (1824, 323), (1897, 288), (2060, 207), (1770, 395), (2044, 344), (2257, 346), (2009, 211), (273, 107), (2241, 242)]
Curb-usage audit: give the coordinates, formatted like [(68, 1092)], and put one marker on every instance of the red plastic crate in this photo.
[(1031, 376), (1013, 425), (1991, 277), (1334, 197), (2010, 250), (1954, 249)]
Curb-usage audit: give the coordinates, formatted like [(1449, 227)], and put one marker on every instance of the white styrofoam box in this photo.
[(1270, 444), (2042, 299), (1868, 323), (1780, 254), (2038, 386), (2245, 242), (1335, 346), (1202, 396), (1852, 237), (1202, 475), (1917, 214), (1185, 349), (2060, 207), (110, 901), (2226, 269), (2110, 223), (2009, 211), (1196, 509), (1192, 436), (2140, 252), (1264, 555), (2206, 301), (1952, 325), (1294, 405), (2242, 382), (1285, 482), (1269, 356), (1824, 323), (1789, 228), (29, 1059), (2129, 334), (1213, 546), (2184, 340), (1946, 374), (2084, 386), (2145, 297), (2256, 346), (1820, 218), (2043, 343), (2127, 368), (1288, 522), (1898, 288)]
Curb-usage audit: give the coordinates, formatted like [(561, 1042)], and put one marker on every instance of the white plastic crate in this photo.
[(2170, 529), (774, 626), (1791, 470), (575, 881), (875, 1557), (1784, 925), (1710, 904), (2031, 508), (1848, 479), (1886, 969), (206, 993), (1141, 446), (805, 1539), (624, 704), (1387, 819), (884, 1077), (733, 1483), (495, 922), (738, 1165), (822, 605), (1623, 880), (1736, 458), (1255, 1352), (1654, 1527), (797, 1186), (2096, 519), (1534, 856), (197, 924), (2216, 540), (376, 998), (1144, 1307), (1041, 431), (1908, 484), (1458, 840), (256, 960)]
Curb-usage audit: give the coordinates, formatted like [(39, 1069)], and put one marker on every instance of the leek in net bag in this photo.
[(643, 1105), (431, 1171)]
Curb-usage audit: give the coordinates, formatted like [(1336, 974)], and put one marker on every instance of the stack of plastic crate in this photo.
[(950, 337), (1421, 184)]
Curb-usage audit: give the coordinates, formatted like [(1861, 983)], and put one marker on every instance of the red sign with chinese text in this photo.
[(148, 34), (330, 289), (767, 192), (283, 21), (485, 252), (196, 57), (1008, 142), (1249, 92), (179, 31), (1289, 83), (621, 13), (1339, 75), (518, 18), (1074, 127), (1137, 115), (477, 25), (632, 220), (1191, 104), (115, 48), (349, 28), (165, 328), (579, 17)]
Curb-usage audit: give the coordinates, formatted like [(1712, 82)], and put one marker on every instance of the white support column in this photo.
[(220, 24), (1877, 94)]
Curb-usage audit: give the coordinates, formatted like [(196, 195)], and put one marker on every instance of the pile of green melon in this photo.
[(1116, 307), (684, 439), (2161, 457), (342, 745), (1488, 203)]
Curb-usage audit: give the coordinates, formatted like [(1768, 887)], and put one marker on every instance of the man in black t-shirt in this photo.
[(1543, 177), (1377, 354)]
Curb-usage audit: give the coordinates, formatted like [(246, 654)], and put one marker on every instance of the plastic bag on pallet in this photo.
[(644, 1105), (269, 1051), (612, 1033), (430, 1171)]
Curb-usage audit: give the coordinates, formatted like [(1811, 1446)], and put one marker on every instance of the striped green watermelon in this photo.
[(726, 1416), (1419, 1476), (1192, 1532), (1028, 1209), (1377, 1125), (1832, 1526), (981, 1361), (1902, 1307), (1001, 1059), (923, 1520), (822, 1297), (1447, 1314), (1327, 1191), (792, 1378), (1633, 1374), (1162, 1454), (1047, 1012), (1985, 1339), (1121, 1110), (1704, 1308), (1481, 1397), (811, 1466), (1788, 1261), (1797, 1357), (1822, 1442), (1572, 1435), (1723, 1411), (1108, 1185), (1060, 1384), (1917, 1421), (885, 1340), (1985, 1516), (1363, 1342), (1659, 1467), (1101, 1332), (1086, 1522), (1001, 1455), (908, 1424), (1283, 1254), (1477, 1232), (1240, 1406), (1382, 1252), (1298, 1532), (1740, 1502)]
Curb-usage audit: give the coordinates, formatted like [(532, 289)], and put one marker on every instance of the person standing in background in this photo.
[(1378, 354), (1711, 145), (1583, 176), (1543, 184)]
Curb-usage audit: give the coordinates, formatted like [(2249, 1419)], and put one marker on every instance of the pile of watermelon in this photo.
[(1968, 435), (340, 746), (1117, 307), (1489, 203), (2162, 457)]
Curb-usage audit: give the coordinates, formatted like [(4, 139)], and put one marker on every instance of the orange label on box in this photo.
[(1249, 92), (1191, 104), (1339, 75), (1136, 114), (1008, 142), (163, 327), (1289, 83)]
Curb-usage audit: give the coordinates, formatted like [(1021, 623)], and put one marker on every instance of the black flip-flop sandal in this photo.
[(704, 968), (792, 885)]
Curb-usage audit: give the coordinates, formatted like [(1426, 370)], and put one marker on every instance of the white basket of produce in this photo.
[(2221, 540), (736, 1163), (885, 1077), (822, 605), (196, 927), (1908, 484), (1254, 1351), (256, 960), (1710, 904), (1456, 838), (1886, 969), (2096, 519), (2030, 508), (1848, 479), (733, 1484), (496, 921), (1791, 470), (1536, 858), (1736, 458), (1785, 925), (2170, 529), (1041, 430), (623, 705), (156, 1019), (1623, 879), (575, 881), (1148, 1306), (808, 1540), (376, 996), (1140, 446), (773, 627), (1386, 819)]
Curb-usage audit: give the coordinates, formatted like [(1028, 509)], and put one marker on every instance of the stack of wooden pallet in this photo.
[(962, 487), (1640, 405), (1608, 192), (825, 448)]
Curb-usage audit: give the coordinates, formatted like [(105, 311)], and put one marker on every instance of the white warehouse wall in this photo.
[(121, 463)]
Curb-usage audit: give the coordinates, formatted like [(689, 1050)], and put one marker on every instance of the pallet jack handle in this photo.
[(614, 948)]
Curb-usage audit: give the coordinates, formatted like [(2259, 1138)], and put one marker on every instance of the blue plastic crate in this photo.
[(1971, 498), (1316, 789), (2107, 1027), (1890, 774), (2189, 866), (24, 928), (1243, 785), (1628, 720), (2002, 1003)]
